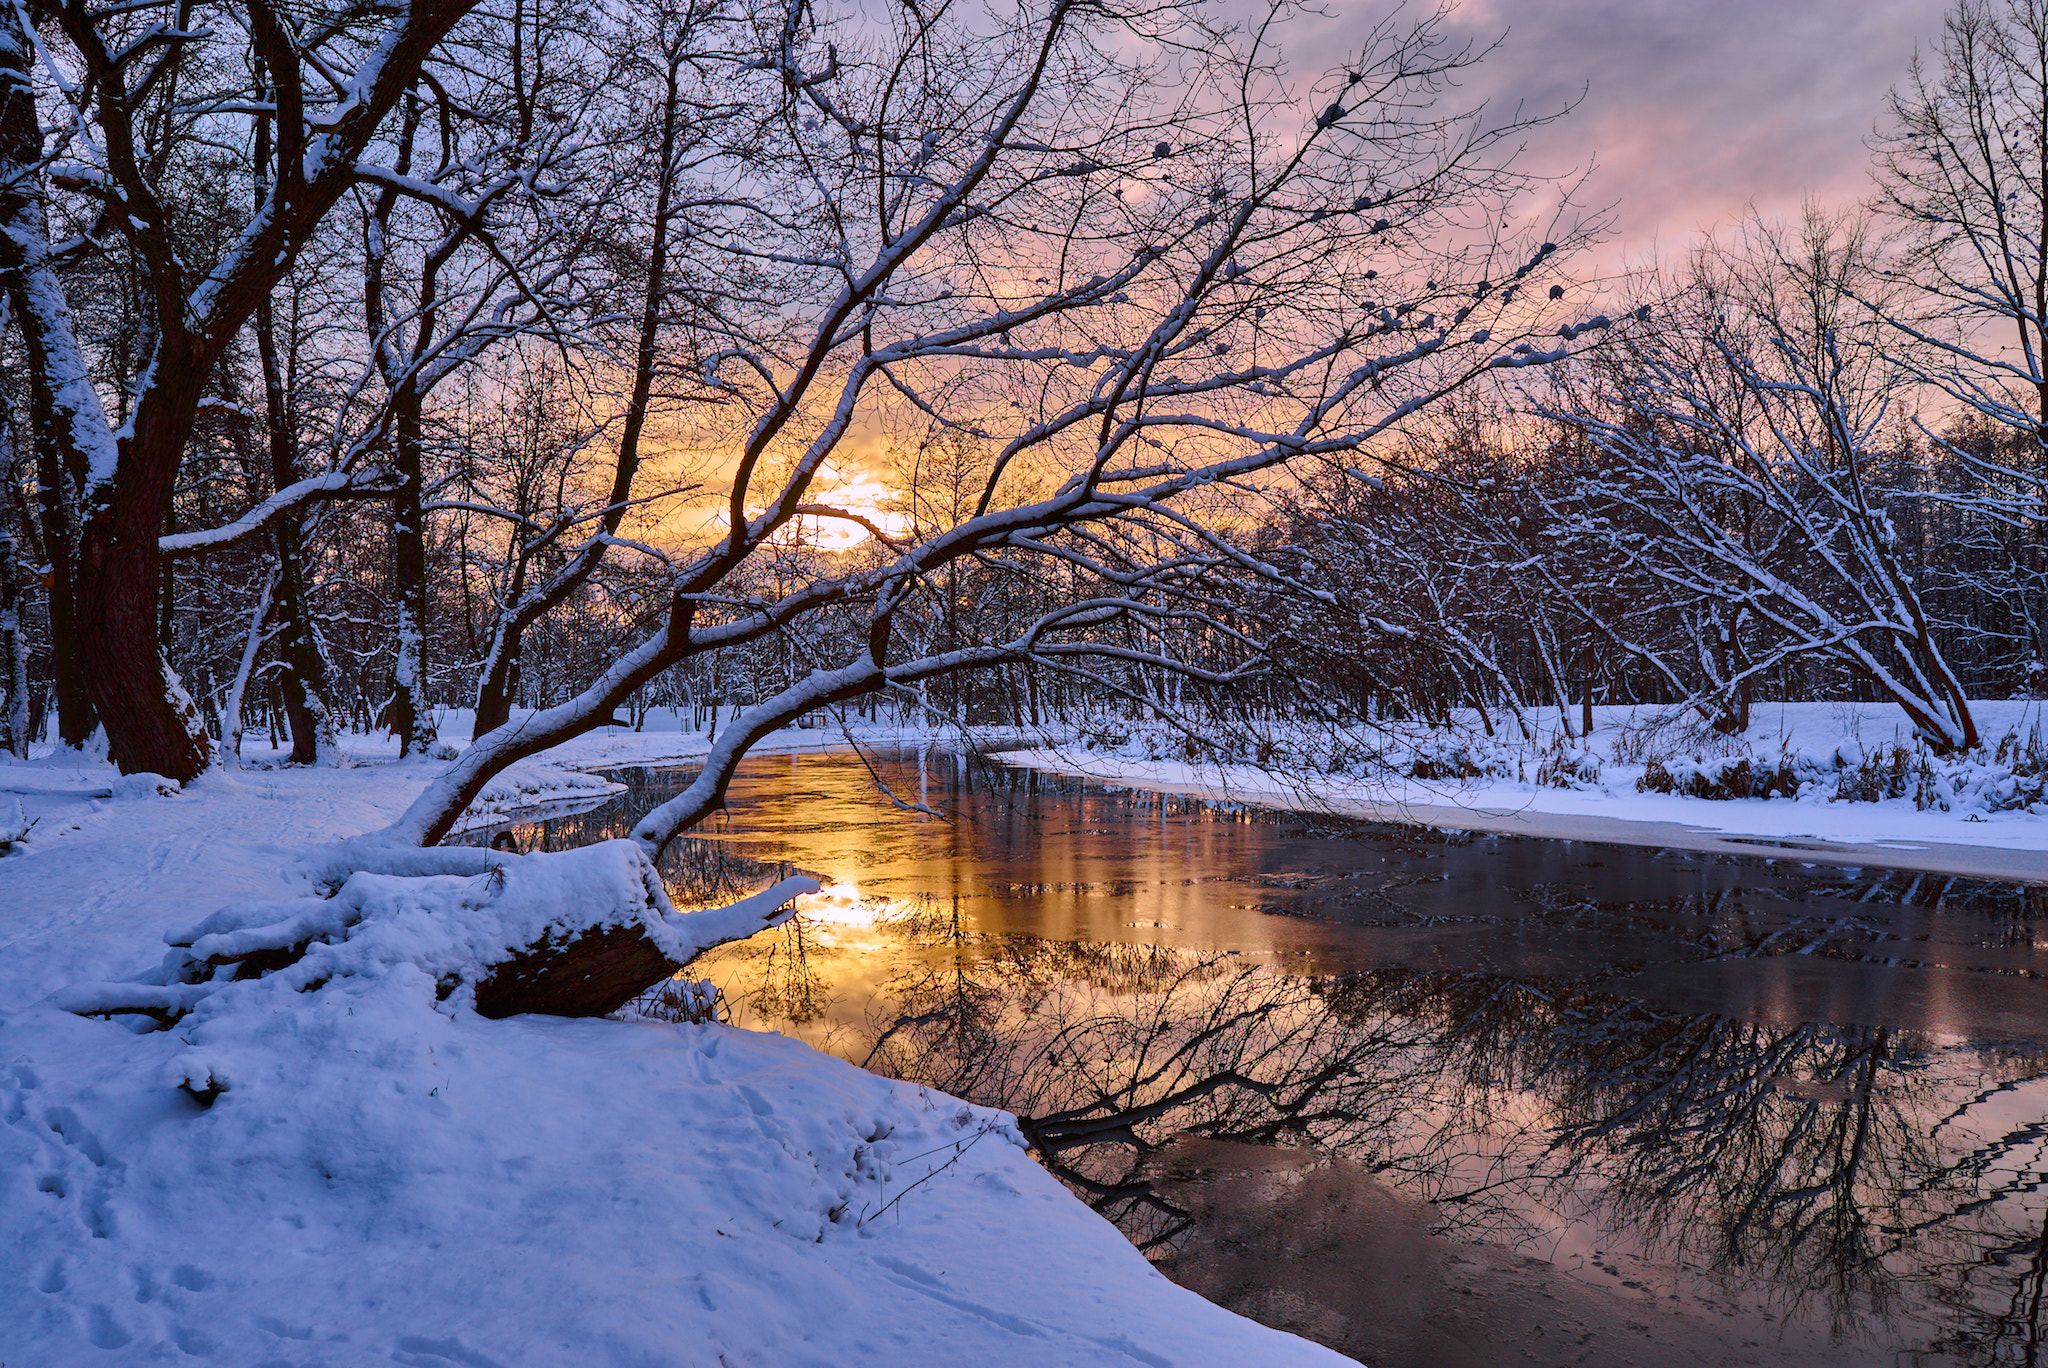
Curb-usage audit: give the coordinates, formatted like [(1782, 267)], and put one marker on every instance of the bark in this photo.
[(13, 655), (231, 711), (592, 973), (305, 683), (64, 414), (405, 712), (75, 716), (402, 712), (152, 725), (1586, 672)]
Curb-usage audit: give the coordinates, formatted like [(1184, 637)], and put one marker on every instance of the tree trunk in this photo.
[(231, 710), (306, 697), (60, 470), (592, 973), (150, 721), (1586, 684), (152, 724), (405, 713), (75, 716), (305, 683), (498, 682), (13, 655)]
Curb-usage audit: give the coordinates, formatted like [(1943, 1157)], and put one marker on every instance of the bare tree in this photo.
[(1739, 443), (1962, 168), (13, 655), (136, 93), (682, 117)]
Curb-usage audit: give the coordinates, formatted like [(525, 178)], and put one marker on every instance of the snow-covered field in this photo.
[(383, 1178)]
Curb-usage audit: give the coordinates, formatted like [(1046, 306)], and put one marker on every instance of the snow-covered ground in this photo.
[(384, 1177), (1971, 837), (387, 1178)]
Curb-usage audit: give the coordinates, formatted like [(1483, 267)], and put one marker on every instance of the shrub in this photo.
[(1723, 777), (1568, 766), (1442, 758)]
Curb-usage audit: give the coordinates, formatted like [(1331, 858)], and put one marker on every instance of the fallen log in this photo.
[(590, 973), (594, 970)]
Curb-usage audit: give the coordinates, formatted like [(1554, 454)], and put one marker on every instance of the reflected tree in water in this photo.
[(1838, 1167)]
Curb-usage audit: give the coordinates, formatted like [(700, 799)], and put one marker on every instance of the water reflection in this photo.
[(1804, 1097)]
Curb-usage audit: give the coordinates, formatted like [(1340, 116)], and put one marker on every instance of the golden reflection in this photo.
[(840, 904)]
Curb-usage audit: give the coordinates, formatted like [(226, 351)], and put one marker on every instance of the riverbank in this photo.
[(1589, 789), (1752, 828), (377, 1179), (1600, 803)]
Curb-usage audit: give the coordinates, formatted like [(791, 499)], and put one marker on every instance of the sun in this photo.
[(864, 497)]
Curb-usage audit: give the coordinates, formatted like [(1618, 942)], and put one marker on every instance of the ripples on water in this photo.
[(1649, 1106)]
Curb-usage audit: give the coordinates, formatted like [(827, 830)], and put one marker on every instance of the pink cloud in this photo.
[(1693, 109)]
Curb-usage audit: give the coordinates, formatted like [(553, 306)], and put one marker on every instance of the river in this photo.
[(1433, 1099)]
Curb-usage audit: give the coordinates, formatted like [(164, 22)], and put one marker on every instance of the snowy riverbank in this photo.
[(388, 1180), (1520, 788)]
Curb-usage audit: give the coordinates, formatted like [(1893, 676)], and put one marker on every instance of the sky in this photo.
[(1692, 109)]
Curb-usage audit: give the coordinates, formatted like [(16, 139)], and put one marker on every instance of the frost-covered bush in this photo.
[(1886, 772), (1725, 776), (1350, 756), (1171, 743), (2011, 776), (1449, 757), (1102, 735), (1567, 765)]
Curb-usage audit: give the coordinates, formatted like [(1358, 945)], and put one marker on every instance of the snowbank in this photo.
[(343, 1164)]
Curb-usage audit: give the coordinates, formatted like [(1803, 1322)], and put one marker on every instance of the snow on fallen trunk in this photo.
[(567, 933)]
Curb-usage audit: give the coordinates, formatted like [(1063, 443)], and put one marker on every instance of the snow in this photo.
[(291, 496), (528, 785), (335, 1164), (341, 1163)]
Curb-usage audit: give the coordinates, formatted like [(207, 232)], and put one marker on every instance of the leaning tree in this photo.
[(1735, 478), (1113, 250)]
